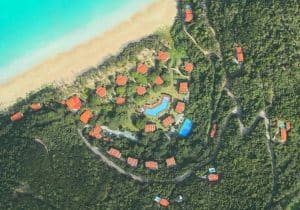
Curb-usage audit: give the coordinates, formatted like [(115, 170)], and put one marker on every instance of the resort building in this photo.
[(114, 153), (74, 103), (150, 128), (189, 67), (16, 116), (152, 165), (239, 54), (213, 131), (180, 106), (101, 91), (283, 134), (213, 177), (141, 90), (86, 116), (120, 100), (171, 162), (188, 14), (132, 161), (121, 80), (96, 132), (183, 88), (35, 107), (142, 68), (163, 56), (158, 80), (168, 121)]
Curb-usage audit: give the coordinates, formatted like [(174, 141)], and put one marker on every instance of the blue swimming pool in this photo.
[(155, 111), (186, 128)]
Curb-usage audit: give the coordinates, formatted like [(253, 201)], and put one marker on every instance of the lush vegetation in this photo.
[(256, 173)]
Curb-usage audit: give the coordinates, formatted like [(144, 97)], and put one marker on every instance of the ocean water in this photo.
[(32, 30)]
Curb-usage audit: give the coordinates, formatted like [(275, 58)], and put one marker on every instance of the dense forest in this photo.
[(255, 171)]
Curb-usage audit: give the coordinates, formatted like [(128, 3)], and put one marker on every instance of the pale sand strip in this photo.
[(66, 66)]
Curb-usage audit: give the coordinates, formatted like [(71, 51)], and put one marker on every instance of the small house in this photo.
[(239, 54), (152, 165), (188, 14), (141, 90), (121, 80), (213, 177), (171, 162), (213, 130), (150, 128), (183, 88), (35, 107), (16, 116), (86, 116), (132, 161), (163, 56), (158, 80), (142, 68), (180, 106), (101, 91), (168, 121), (189, 67), (96, 132), (114, 153), (120, 100), (74, 103)]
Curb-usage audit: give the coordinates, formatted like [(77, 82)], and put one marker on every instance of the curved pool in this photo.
[(156, 110)]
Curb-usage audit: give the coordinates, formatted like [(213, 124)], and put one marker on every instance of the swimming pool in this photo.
[(155, 111)]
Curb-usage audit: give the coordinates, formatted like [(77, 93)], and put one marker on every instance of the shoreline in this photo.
[(65, 67)]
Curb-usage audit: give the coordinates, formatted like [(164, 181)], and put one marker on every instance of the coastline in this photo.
[(66, 66)]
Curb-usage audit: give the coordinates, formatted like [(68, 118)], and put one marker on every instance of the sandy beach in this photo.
[(66, 66)]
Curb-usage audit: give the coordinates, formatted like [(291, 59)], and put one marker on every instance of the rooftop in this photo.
[(158, 81), (142, 68), (120, 100), (16, 116), (132, 161), (149, 128), (171, 161), (168, 121), (121, 80), (153, 165), (189, 67), (86, 116), (163, 56), (180, 107), (36, 107), (101, 91), (114, 153), (96, 132), (141, 90), (183, 88), (74, 103), (239, 54)]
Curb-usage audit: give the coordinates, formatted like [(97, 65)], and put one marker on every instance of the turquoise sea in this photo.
[(32, 30)]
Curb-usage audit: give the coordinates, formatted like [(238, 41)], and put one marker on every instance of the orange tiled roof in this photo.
[(171, 161), (189, 67), (158, 80), (121, 80), (149, 128), (101, 91), (153, 165), (16, 116), (142, 68), (283, 134), (132, 161), (114, 153), (120, 100), (36, 107), (213, 177), (96, 132), (239, 54), (188, 15), (180, 107), (183, 88), (74, 103), (164, 202), (168, 121), (86, 116), (163, 56), (141, 90)]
